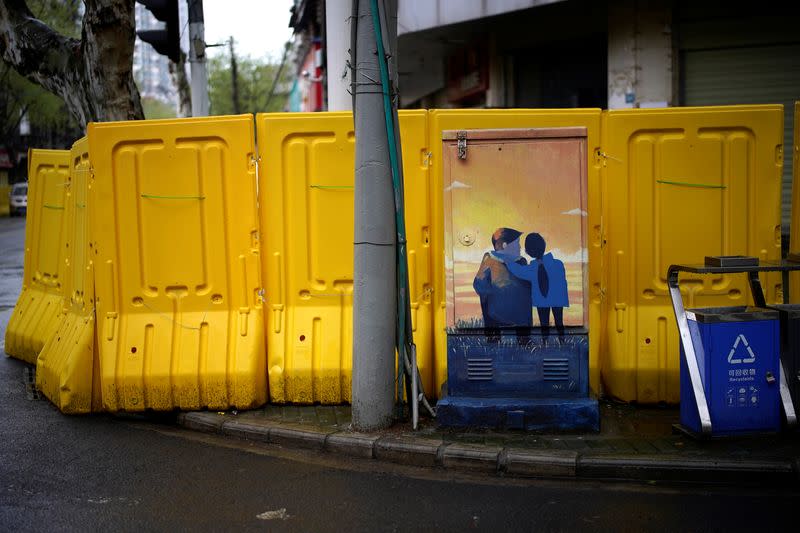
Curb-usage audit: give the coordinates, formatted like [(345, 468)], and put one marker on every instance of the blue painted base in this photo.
[(509, 366), (544, 414)]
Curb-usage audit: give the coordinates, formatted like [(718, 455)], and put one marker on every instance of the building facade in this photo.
[(610, 54), (308, 59)]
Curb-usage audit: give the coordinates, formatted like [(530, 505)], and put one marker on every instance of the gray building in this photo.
[(611, 54), (151, 69)]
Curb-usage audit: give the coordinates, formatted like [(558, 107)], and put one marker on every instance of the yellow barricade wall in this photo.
[(5, 200), (306, 199), (794, 240), (177, 268), (35, 317), (65, 369), (465, 119), (681, 183)]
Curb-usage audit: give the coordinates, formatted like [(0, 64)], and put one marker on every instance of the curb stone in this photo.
[(409, 451), (246, 430), (203, 421), (471, 457), (493, 459), (536, 463), (676, 468), (353, 444), (303, 437)]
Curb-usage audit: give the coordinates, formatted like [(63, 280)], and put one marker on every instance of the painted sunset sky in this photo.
[(532, 185)]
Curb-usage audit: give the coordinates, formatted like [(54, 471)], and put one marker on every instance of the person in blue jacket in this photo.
[(505, 299), (548, 280)]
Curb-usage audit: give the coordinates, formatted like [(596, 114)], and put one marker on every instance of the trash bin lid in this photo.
[(793, 310), (741, 313)]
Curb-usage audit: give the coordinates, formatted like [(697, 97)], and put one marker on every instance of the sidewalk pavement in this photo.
[(635, 443)]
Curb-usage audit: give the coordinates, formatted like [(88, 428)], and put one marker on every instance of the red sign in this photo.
[(468, 73), (311, 79), (5, 160)]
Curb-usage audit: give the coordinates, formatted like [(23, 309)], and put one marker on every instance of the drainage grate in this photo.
[(555, 369), (480, 369), (29, 379)]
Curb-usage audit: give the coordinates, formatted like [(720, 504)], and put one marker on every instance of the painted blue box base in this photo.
[(518, 380), (544, 414), (514, 366)]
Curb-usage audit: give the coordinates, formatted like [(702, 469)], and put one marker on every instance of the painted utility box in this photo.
[(516, 279), (737, 351)]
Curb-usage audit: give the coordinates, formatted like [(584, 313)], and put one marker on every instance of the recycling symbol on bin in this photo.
[(735, 358)]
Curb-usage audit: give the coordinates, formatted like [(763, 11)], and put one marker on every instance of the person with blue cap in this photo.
[(505, 298)]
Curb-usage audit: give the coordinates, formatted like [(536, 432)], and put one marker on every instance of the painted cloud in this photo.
[(457, 185)]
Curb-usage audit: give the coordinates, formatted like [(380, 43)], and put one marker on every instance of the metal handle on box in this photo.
[(689, 354), (786, 399)]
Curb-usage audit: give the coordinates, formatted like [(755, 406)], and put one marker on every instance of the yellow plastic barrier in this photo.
[(35, 317), (681, 184), (794, 240), (465, 119), (306, 199), (177, 271), (66, 367), (5, 200)]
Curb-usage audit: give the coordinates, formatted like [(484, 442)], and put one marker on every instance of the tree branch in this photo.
[(34, 50), (93, 75)]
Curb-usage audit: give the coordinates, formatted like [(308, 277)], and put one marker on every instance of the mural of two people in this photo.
[(509, 286)]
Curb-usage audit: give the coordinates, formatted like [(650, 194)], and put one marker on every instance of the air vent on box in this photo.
[(555, 369), (480, 369)]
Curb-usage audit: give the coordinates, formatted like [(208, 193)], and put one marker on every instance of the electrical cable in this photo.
[(404, 338)]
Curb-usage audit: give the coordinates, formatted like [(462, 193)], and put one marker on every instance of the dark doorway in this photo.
[(562, 74)]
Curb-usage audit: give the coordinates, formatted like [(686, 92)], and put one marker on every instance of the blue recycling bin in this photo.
[(738, 355)]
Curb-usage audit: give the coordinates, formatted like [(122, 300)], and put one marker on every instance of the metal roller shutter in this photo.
[(748, 75)]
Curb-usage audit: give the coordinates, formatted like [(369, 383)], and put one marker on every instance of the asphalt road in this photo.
[(133, 474)]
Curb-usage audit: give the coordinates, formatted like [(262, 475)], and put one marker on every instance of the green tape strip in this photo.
[(48, 206), (80, 205), (331, 186), (688, 184), (159, 197)]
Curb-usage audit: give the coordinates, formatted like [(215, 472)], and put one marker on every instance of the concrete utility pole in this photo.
[(337, 34), (375, 282), (197, 59)]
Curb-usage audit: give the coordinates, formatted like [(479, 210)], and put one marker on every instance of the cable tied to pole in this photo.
[(404, 333)]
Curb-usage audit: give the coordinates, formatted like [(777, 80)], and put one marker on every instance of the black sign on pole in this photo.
[(166, 41)]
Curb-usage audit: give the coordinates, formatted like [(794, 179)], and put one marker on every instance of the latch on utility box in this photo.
[(462, 144)]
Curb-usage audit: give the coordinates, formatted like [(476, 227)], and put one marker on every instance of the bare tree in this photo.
[(93, 74)]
